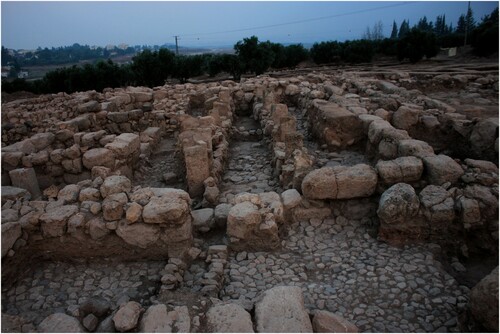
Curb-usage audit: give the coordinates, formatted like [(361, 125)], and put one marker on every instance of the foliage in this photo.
[(484, 38), (404, 29), (394, 33), (416, 44), (254, 56)]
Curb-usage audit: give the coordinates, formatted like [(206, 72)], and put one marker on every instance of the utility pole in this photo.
[(176, 46), (466, 25)]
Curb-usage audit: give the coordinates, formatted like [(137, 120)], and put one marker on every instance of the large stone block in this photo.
[(327, 322), (99, 157), (125, 145), (404, 169), (167, 209), (197, 168), (484, 302), (340, 182), (60, 323), (127, 316), (140, 235), (26, 178), (281, 310), (53, 222), (10, 233), (243, 218), (115, 184), (441, 169), (229, 318), (398, 203)]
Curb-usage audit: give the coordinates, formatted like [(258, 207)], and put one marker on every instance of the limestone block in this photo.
[(53, 222), (229, 318), (438, 204), (441, 169), (484, 301), (11, 231), (167, 209), (327, 322), (398, 203), (197, 168), (25, 178), (60, 323), (403, 169), (138, 234), (69, 194), (127, 316), (99, 157), (115, 184), (243, 218), (281, 310), (340, 182)]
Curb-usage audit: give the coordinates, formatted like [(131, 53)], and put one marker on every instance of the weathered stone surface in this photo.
[(221, 213), (242, 220), (90, 322), (404, 169), (12, 323), (405, 117), (484, 301), (197, 168), (115, 184), (413, 147), (125, 145), (291, 198), (470, 212), (127, 316), (167, 209), (97, 228), (24, 146), (54, 221), (398, 203), (11, 231), (26, 178), (156, 320), (99, 157), (134, 212), (229, 318), (14, 193), (340, 182), (438, 204), (60, 323), (9, 215), (69, 194), (91, 106), (327, 322), (441, 169), (203, 219), (141, 235), (281, 310), (96, 305)]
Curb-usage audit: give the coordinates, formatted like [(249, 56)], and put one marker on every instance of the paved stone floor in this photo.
[(58, 286), (341, 268)]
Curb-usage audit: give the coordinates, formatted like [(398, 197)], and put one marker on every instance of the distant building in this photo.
[(22, 75), (5, 71), (123, 46)]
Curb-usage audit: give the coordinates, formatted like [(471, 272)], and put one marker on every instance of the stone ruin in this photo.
[(332, 201)]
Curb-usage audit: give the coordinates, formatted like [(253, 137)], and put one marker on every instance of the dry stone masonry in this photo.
[(327, 200)]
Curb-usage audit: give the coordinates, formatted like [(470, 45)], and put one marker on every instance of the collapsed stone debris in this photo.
[(319, 202)]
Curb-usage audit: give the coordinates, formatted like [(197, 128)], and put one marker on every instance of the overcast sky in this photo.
[(27, 25)]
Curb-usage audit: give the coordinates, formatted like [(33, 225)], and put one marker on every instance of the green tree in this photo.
[(484, 38), (417, 44), (394, 33), (404, 29), (254, 56)]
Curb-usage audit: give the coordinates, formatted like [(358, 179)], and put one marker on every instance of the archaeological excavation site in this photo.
[(354, 199)]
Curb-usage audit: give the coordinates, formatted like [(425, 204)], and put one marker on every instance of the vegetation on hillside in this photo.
[(153, 68)]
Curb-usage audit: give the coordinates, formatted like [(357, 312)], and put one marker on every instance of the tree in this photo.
[(461, 24), (484, 38), (424, 25), (417, 44), (394, 33), (470, 23), (404, 29), (376, 33), (326, 52), (254, 56)]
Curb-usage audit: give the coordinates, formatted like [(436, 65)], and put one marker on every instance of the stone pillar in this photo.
[(293, 141), (26, 178), (287, 126), (197, 168), (278, 111)]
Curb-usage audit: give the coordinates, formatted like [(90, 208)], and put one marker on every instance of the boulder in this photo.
[(99, 157), (221, 213), (25, 146), (12, 323), (243, 218), (91, 106), (440, 169), (134, 212), (484, 302), (42, 140), (26, 178), (127, 316), (140, 235), (115, 184), (438, 205), (14, 193), (53, 222), (404, 169), (340, 182), (69, 194), (327, 322), (97, 228), (203, 219), (229, 318), (170, 208), (10, 233), (405, 117), (398, 203), (95, 305), (291, 198), (157, 320), (60, 323), (125, 145), (281, 310), (413, 147)]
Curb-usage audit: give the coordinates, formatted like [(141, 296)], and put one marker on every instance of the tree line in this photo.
[(153, 68)]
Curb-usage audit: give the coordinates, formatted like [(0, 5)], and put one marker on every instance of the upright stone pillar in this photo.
[(26, 178), (197, 168)]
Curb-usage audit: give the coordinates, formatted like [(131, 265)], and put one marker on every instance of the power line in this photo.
[(303, 21)]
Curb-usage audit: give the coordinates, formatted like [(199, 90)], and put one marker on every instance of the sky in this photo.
[(32, 24)]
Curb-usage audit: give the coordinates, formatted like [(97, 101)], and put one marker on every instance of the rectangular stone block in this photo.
[(26, 178)]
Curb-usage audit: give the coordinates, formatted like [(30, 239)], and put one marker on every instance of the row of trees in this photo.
[(153, 68)]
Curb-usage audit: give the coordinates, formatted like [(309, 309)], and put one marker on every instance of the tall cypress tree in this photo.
[(394, 33)]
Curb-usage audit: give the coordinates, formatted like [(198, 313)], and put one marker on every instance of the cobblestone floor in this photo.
[(341, 268)]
